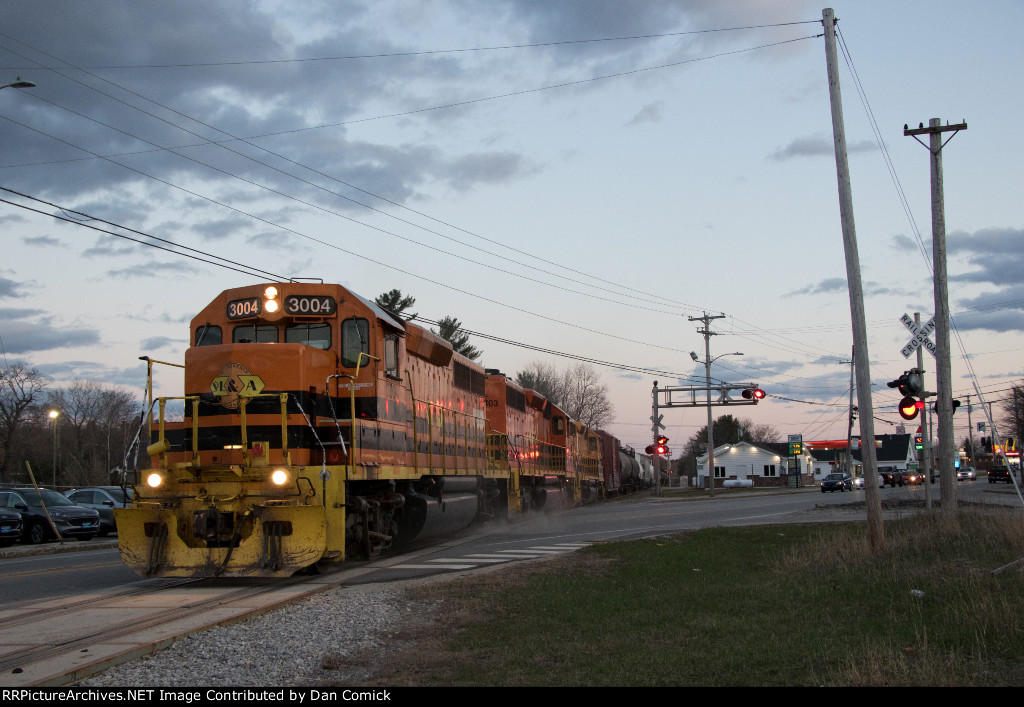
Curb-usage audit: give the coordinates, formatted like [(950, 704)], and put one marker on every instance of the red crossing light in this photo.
[(909, 407)]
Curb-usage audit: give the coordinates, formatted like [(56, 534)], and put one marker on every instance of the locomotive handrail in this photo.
[(159, 448), (334, 413), (354, 457), (430, 426), (243, 401)]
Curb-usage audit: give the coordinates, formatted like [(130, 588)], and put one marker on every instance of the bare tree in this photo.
[(19, 389), (758, 434), (1012, 422), (578, 390), (544, 378), (96, 422)]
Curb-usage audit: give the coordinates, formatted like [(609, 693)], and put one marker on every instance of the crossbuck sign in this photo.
[(921, 335)]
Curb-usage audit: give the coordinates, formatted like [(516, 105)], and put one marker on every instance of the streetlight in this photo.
[(711, 436), (18, 83), (54, 414)]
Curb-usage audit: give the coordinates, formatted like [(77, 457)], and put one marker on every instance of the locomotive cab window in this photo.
[(316, 335), (254, 334), (209, 335), (355, 339), (391, 356)]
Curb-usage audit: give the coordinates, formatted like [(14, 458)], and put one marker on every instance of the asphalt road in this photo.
[(78, 568)]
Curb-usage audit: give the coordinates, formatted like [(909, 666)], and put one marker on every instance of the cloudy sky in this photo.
[(582, 176)]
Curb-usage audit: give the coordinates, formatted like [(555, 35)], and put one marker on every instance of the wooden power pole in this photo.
[(876, 535)]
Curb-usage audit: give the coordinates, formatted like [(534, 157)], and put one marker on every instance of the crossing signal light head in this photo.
[(661, 446), (909, 407), (754, 394), (911, 383)]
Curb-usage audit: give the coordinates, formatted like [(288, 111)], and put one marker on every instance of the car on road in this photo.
[(103, 499), (836, 482), (859, 482), (912, 477), (966, 473), (10, 527), (890, 475), (1000, 472), (70, 520)]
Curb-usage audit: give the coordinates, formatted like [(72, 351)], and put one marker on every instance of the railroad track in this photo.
[(61, 642)]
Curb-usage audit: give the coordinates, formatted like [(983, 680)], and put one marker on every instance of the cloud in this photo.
[(10, 288), (818, 147), (93, 371), (43, 241), (994, 252), (829, 285), (650, 113), (1000, 311), (25, 331), (158, 342)]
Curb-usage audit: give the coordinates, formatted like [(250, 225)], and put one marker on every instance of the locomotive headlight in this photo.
[(154, 480), (279, 477), (270, 297)]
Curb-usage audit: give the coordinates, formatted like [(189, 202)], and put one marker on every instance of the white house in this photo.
[(766, 464)]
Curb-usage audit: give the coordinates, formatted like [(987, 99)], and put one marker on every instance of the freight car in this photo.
[(319, 427)]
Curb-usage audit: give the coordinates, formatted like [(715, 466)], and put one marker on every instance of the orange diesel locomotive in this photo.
[(317, 427)]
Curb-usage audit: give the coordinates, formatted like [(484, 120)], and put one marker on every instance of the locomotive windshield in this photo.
[(254, 334), (316, 335)]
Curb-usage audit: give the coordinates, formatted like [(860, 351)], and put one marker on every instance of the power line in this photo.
[(430, 52)]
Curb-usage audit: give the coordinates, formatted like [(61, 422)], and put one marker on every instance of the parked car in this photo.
[(836, 482), (10, 527), (912, 477), (966, 473), (103, 499), (1000, 472), (71, 521)]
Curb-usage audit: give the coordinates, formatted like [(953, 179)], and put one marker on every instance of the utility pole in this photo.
[(876, 535), (706, 331), (970, 431), (849, 428), (944, 376)]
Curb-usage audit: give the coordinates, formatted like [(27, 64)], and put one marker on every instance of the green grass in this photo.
[(769, 605)]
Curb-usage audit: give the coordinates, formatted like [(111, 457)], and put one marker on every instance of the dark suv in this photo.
[(1000, 472), (103, 499), (10, 527), (71, 521)]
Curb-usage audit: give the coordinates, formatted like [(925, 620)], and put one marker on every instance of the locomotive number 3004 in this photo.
[(309, 304)]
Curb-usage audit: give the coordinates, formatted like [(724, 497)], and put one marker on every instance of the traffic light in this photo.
[(754, 394), (661, 447), (909, 407), (935, 406), (910, 384)]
